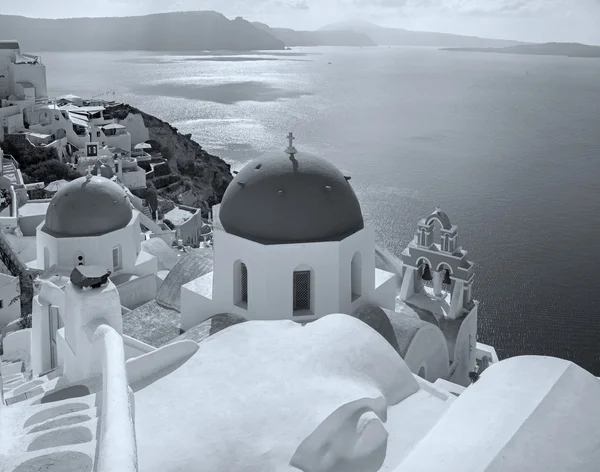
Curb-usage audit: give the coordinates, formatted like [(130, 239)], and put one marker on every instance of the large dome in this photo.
[(88, 206), (280, 199)]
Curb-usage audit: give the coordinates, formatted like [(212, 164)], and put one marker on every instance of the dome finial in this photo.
[(291, 150)]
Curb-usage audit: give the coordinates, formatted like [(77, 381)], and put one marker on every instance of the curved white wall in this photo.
[(428, 352), (271, 271), (97, 250)]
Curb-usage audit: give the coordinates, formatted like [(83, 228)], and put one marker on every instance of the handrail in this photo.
[(117, 449), (15, 202)]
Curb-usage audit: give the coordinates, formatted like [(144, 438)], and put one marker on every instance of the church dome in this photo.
[(286, 199), (88, 206)]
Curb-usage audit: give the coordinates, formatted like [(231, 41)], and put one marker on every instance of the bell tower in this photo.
[(438, 280), (443, 267)]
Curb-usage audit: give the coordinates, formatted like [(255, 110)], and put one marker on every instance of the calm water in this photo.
[(508, 146)]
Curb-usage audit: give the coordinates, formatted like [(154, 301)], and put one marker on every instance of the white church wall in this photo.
[(386, 288), (227, 250), (427, 354), (197, 304), (270, 276), (465, 349), (270, 270), (362, 242), (280, 264), (94, 250)]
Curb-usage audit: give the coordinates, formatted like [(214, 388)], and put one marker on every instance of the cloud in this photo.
[(463, 7)]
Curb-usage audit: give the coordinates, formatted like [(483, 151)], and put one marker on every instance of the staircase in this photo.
[(146, 211), (58, 435), (9, 170)]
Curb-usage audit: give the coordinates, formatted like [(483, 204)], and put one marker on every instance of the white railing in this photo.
[(117, 449)]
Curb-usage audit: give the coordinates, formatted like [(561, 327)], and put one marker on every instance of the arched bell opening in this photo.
[(425, 277), (447, 282)]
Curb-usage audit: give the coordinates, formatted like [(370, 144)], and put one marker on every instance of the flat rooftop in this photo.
[(152, 324), (33, 208), (178, 216)]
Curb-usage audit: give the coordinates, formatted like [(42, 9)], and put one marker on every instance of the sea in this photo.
[(507, 145)]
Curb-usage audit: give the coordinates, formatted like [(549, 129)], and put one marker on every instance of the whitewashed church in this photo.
[(289, 242)]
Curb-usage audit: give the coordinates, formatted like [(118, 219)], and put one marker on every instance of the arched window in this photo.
[(117, 259), (356, 276), (244, 282), (422, 372), (303, 291), (240, 286), (46, 258)]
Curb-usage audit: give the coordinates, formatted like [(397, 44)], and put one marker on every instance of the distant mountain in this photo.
[(403, 37), (546, 49), (317, 38), (181, 31)]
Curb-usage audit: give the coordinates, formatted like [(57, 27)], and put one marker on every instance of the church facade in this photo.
[(289, 243), (89, 222)]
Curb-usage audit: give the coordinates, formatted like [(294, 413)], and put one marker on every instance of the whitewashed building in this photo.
[(289, 242), (90, 221), (22, 85)]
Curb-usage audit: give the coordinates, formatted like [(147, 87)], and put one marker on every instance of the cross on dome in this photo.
[(291, 150)]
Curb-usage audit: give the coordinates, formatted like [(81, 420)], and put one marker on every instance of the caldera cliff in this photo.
[(191, 170)]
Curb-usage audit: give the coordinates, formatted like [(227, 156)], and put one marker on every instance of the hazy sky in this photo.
[(529, 20)]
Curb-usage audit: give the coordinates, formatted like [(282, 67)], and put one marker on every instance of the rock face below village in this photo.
[(193, 172)]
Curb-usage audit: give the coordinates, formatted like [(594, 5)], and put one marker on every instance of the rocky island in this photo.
[(181, 31), (317, 38), (545, 49)]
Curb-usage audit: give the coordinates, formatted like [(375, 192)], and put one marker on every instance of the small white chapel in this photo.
[(289, 243), (90, 221)]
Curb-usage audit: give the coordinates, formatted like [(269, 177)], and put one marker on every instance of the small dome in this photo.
[(283, 199), (88, 206), (103, 170)]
